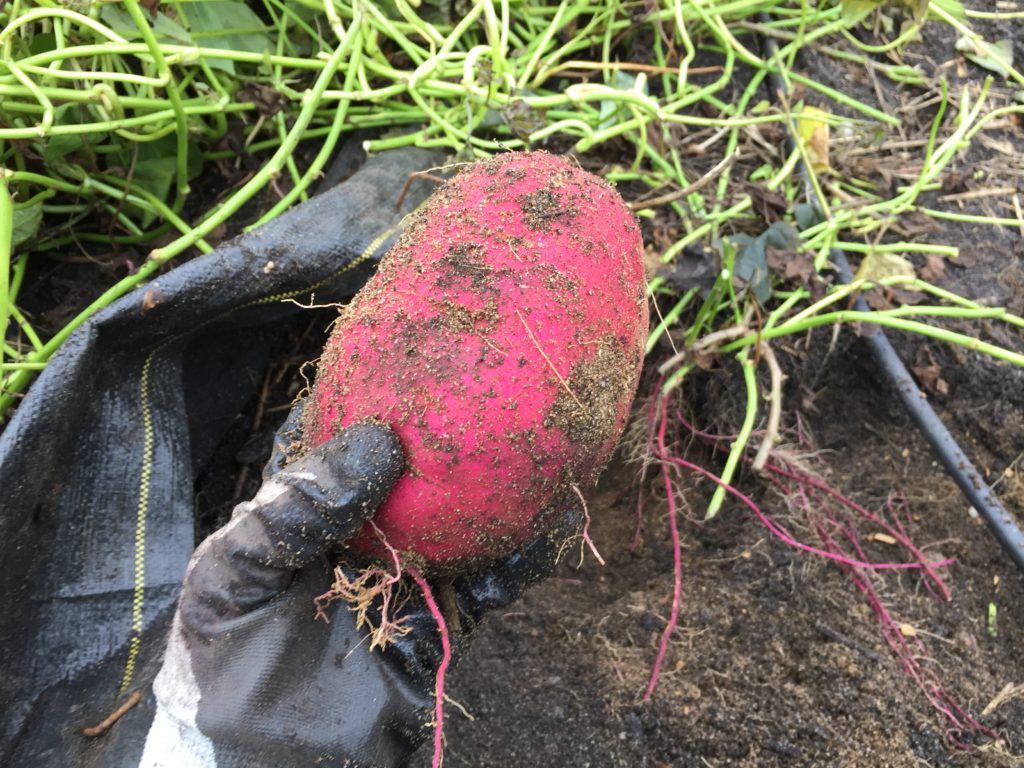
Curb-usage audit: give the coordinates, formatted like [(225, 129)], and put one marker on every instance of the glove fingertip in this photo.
[(370, 455)]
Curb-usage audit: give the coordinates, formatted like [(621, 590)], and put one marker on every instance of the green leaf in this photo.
[(229, 26), (782, 235), (42, 43), (64, 144), (165, 29), (154, 169), (490, 119), (751, 264), (807, 215), (621, 81), (996, 57), (26, 222), (887, 23)]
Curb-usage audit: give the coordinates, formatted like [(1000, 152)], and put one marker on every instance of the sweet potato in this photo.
[(502, 338)]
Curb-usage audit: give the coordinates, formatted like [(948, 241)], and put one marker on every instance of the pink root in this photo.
[(827, 511), (896, 531), (677, 566), (587, 541), (446, 658), (652, 415), (781, 533)]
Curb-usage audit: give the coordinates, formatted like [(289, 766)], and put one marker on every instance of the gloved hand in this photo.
[(251, 679)]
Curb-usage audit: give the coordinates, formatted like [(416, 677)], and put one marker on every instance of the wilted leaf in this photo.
[(878, 266), (431, 11), (854, 11), (955, 182), (879, 170), (996, 57), (693, 268), (905, 295), (914, 226), (927, 371), (522, 119), (26, 222), (934, 269), (152, 298), (813, 129), (968, 258), (881, 297), (770, 206), (269, 101), (918, 9), (706, 361), (791, 264), (875, 266)]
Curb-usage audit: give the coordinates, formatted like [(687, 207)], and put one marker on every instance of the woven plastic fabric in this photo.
[(98, 463)]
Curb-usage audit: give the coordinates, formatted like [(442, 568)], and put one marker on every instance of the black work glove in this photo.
[(250, 678), (420, 651)]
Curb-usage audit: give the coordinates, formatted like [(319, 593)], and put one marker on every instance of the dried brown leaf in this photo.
[(934, 269), (928, 372), (770, 206), (791, 265)]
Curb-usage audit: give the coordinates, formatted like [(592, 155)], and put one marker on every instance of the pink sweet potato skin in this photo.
[(502, 338)]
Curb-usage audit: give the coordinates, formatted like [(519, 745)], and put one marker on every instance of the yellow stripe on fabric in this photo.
[(367, 253), (139, 590)]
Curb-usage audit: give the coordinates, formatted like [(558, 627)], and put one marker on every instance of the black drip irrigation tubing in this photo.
[(945, 446)]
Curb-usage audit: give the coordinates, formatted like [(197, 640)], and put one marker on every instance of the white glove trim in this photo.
[(174, 740)]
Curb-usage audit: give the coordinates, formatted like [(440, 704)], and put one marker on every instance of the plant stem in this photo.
[(6, 240), (739, 446)]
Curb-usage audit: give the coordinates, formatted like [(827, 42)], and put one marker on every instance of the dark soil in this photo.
[(777, 659)]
